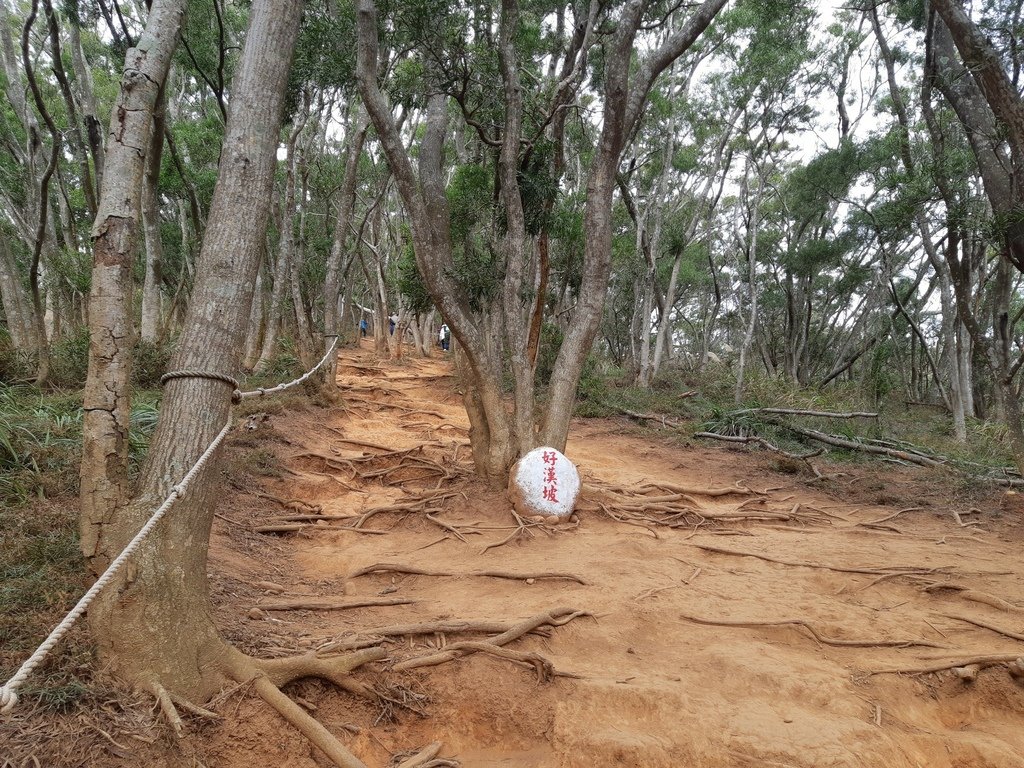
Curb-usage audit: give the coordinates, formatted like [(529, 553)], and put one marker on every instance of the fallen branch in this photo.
[(759, 441), (804, 412), (410, 569), (854, 445)]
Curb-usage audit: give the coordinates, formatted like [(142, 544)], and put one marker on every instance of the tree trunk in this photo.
[(151, 294), (16, 304), (107, 404), (356, 135), (154, 626)]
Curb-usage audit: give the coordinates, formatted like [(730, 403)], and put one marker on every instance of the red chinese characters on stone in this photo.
[(550, 489)]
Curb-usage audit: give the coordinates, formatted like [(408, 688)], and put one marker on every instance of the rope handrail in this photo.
[(8, 694), (260, 391)]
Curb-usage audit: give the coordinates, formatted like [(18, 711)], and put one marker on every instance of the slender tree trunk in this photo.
[(151, 294), (356, 135), (154, 626), (15, 302), (274, 312), (252, 334), (748, 337)]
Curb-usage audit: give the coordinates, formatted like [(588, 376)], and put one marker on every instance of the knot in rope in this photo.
[(231, 381), (8, 700)]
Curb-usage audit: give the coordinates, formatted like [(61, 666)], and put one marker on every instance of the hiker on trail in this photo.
[(363, 327), (444, 337), (392, 322)]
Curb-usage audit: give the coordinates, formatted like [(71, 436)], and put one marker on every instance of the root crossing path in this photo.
[(765, 626)]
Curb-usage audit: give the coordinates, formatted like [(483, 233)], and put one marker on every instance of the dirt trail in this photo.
[(654, 687)]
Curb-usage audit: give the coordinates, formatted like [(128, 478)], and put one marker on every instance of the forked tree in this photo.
[(153, 626), (506, 326)]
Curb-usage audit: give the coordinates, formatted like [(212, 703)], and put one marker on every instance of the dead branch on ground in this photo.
[(804, 412)]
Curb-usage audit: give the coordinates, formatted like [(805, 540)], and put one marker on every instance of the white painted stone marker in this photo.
[(544, 483)]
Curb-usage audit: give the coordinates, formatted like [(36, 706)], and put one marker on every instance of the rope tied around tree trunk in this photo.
[(231, 381), (8, 694)]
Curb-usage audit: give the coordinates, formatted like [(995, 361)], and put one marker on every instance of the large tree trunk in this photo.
[(107, 404), (154, 627)]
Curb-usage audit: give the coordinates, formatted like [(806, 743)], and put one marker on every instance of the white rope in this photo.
[(260, 392), (8, 697)]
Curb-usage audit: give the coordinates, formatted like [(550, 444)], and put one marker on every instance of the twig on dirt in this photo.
[(414, 570), (823, 639), (662, 419)]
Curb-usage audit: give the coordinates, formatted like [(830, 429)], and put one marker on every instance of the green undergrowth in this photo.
[(42, 573), (705, 402)]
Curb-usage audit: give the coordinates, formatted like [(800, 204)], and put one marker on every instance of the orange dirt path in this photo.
[(653, 688)]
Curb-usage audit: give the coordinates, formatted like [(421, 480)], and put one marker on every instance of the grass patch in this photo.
[(42, 572)]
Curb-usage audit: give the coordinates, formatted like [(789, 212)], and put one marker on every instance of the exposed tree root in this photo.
[(399, 568), (676, 506), (973, 595), (699, 491), (437, 628), (167, 708), (307, 725), (984, 625), (823, 639), (556, 617), (887, 572), (981, 661), (420, 759), (268, 676), (330, 605)]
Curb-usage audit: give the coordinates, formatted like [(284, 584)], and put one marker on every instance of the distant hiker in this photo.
[(445, 337), (392, 322), (363, 327)]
